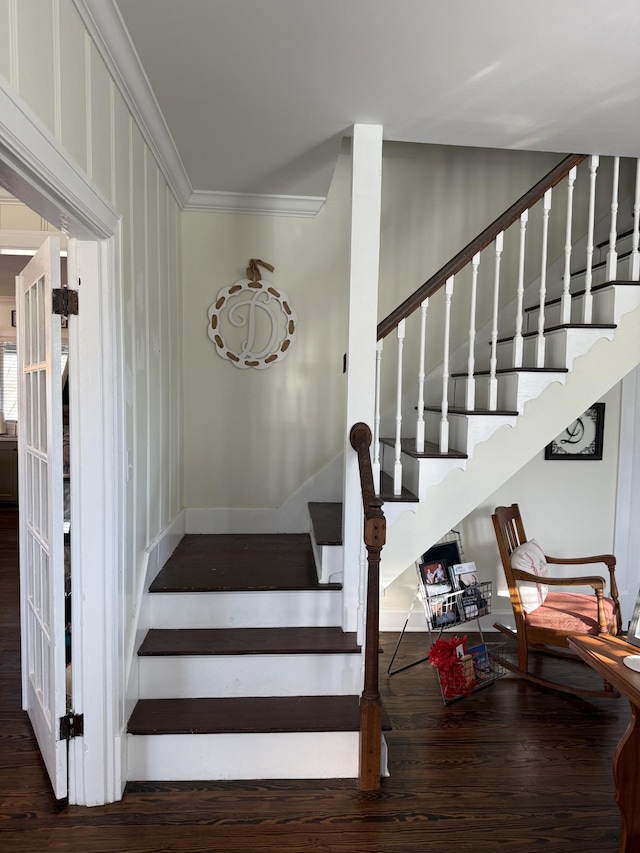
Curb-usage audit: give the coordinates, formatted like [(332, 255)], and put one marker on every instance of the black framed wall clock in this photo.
[(582, 439)]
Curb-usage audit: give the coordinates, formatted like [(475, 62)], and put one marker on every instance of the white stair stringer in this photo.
[(273, 755), (250, 675), (506, 450)]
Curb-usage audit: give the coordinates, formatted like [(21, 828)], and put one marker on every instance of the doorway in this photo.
[(50, 184)]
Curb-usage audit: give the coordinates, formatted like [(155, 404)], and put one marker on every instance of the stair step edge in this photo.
[(172, 642), (271, 714)]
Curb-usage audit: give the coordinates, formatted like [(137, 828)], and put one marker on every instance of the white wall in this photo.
[(51, 62)]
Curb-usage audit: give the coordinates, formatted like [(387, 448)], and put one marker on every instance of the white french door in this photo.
[(40, 485)]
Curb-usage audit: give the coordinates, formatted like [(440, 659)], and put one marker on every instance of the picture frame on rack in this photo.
[(435, 578), (465, 578)]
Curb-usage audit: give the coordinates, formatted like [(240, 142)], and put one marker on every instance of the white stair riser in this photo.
[(328, 560), (193, 677), (466, 432), (514, 389), (245, 609), (609, 305), (416, 476), (561, 347), (300, 755)]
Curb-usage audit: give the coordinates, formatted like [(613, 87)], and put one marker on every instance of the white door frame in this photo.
[(627, 530), (36, 169)]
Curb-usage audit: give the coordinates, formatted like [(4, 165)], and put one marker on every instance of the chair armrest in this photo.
[(587, 580), (608, 559)]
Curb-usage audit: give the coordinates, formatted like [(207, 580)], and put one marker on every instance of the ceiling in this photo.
[(257, 94)]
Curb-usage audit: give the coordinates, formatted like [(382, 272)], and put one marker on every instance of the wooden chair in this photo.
[(546, 624)]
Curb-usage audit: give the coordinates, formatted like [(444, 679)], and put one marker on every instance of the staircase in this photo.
[(246, 671)]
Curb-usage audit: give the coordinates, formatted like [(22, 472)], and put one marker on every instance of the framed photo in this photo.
[(435, 578), (447, 552), (582, 439)]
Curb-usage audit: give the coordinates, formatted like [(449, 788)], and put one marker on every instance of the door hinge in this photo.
[(71, 725), (64, 301)]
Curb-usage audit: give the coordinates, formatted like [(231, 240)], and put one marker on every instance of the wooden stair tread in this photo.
[(326, 520), (504, 370), (248, 641), (230, 562), (455, 410), (431, 450), (245, 715)]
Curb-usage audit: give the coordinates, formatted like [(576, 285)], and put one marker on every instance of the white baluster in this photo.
[(634, 260), (421, 374), (588, 298), (565, 302), (612, 256), (540, 341), (376, 420), (517, 341), (493, 362), (470, 400), (397, 468), (444, 420)]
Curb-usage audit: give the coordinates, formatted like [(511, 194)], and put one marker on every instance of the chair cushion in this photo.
[(529, 557), (570, 611)]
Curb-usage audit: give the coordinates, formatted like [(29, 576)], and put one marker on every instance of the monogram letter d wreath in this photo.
[(252, 323)]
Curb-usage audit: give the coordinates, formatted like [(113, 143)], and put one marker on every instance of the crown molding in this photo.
[(267, 205), (104, 24)]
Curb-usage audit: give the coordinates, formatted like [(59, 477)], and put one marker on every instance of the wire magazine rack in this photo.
[(483, 664)]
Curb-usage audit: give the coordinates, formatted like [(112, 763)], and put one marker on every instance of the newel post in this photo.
[(374, 539)]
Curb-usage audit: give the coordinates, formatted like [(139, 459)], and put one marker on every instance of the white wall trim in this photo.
[(268, 205), (627, 530), (36, 169), (153, 560), (104, 23)]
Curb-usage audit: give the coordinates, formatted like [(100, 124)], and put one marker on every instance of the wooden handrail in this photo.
[(479, 243), (374, 539)]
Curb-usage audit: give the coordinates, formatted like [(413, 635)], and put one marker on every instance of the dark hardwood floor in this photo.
[(513, 768)]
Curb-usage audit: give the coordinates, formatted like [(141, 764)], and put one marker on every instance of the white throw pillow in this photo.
[(529, 557)]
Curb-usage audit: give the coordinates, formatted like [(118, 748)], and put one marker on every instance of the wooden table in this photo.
[(605, 656)]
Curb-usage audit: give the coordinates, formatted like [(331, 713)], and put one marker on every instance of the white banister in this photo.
[(540, 341), (470, 397), (588, 278), (397, 468), (612, 256), (518, 341), (565, 302), (421, 375), (444, 420), (376, 420), (493, 362), (634, 260)]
